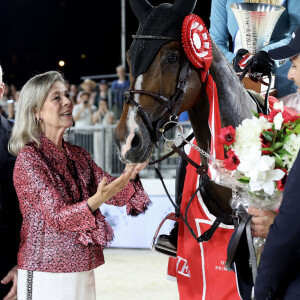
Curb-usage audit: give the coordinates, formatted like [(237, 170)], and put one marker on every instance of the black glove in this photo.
[(261, 63), (239, 56)]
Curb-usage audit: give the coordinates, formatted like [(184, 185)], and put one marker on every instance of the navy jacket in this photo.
[(279, 269), (10, 216)]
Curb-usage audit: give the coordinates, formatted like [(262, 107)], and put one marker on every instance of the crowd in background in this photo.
[(94, 102)]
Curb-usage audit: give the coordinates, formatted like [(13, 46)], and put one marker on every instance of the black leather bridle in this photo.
[(168, 103)]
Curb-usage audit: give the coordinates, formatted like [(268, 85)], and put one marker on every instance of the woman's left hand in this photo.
[(261, 221), (137, 168)]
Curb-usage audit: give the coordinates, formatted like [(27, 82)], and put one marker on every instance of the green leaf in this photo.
[(288, 133), (267, 149), (268, 135), (296, 122), (283, 151), (297, 129), (244, 179), (277, 145), (278, 161), (273, 126), (255, 114)]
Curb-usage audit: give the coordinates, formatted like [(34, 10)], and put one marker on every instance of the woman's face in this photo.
[(56, 112)]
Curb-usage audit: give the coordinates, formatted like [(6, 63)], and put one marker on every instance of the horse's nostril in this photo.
[(135, 141)]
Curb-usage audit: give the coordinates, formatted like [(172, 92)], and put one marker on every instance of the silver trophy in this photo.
[(275, 2), (256, 22)]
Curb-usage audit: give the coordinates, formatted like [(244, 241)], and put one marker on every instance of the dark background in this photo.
[(36, 34)]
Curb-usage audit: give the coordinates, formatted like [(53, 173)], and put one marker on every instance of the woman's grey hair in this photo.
[(32, 97)]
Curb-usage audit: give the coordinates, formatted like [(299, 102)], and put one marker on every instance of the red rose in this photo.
[(227, 135), (232, 161), (281, 183)]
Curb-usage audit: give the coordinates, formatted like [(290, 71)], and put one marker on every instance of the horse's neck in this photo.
[(234, 102)]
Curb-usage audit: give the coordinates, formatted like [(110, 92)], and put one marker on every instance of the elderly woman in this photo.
[(60, 190)]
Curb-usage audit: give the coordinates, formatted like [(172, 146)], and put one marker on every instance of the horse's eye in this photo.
[(172, 59)]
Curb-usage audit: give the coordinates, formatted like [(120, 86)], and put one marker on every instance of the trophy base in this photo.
[(259, 87)]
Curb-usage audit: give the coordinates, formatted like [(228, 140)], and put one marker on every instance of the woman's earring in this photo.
[(38, 120), (40, 123)]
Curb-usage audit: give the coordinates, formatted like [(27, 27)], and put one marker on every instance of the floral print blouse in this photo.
[(59, 233)]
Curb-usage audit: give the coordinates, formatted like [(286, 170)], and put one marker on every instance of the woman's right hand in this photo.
[(106, 191)]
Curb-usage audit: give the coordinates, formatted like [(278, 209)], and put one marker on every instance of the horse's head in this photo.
[(159, 70)]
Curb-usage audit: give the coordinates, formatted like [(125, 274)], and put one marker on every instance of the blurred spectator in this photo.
[(102, 93), (11, 109), (3, 112), (118, 87), (6, 94), (3, 101), (82, 115), (67, 85), (13, 90), (103, 115), (73, 92), (17, 96), (83, 111), (103, 138), (89, 86)]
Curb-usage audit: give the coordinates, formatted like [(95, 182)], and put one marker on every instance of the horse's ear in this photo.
[(184, 7), (140, 7)]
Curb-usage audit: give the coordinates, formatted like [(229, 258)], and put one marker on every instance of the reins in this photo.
[(265, 107)]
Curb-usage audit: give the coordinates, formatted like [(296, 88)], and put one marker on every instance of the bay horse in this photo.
[(153, 85)]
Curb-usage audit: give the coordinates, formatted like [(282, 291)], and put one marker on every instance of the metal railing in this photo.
[(98, 141)]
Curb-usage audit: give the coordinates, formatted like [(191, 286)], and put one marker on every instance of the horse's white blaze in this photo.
[(138, 86), (131, 118)]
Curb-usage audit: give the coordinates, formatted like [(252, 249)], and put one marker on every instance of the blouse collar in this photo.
[(52, 151)]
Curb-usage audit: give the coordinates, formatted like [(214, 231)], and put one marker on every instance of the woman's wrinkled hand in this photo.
[(261, 221), (136, 168), (106, 191)]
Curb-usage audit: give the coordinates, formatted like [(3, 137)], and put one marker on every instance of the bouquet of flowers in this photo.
[(260, 154)]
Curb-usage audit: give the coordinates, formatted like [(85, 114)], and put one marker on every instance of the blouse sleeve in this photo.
[(132, 195), (35, 190)]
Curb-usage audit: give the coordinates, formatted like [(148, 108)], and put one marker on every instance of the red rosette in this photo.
[(196, 42)]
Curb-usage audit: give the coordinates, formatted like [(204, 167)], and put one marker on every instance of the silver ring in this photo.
[(171, 140), (176, 124)]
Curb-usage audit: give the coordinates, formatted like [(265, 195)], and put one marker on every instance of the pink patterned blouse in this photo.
[(59, 233)]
